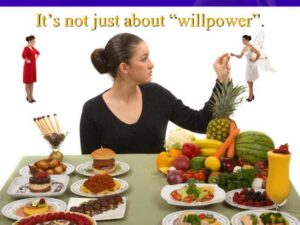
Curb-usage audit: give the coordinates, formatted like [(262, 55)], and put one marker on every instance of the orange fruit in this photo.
[(175, 152), (164, 159)]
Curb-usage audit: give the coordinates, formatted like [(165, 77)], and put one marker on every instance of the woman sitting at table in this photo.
[(132, 116)]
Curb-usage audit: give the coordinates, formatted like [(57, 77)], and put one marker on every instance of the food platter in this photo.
[(229, 200), (13, 210), (219, 195), (24, 171), (86, 169), (19, 187), (76, 188), (170, 219), (235, 220), (113, 214)]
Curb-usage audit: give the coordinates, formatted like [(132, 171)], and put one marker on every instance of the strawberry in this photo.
[(284, 147), (68, 216), (61, 215), (44, 218), (38, 219), (50, 216), (42, 201)]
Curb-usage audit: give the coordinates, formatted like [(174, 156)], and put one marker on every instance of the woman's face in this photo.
[(32, 42), (245, 41), (140, 66)]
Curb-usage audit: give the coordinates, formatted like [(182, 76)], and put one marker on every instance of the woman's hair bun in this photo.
[(99, 60), (247, 37), (30, 38)]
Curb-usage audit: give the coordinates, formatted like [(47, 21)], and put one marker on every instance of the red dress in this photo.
[(29, 72)]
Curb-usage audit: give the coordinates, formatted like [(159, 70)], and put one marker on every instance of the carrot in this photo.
[(231, 150), (222, 149)]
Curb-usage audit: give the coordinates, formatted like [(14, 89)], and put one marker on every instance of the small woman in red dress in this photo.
[(30, 54)]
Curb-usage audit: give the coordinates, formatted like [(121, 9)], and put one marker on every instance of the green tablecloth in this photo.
[(144, 206)]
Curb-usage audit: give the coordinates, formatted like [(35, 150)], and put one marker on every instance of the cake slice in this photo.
[(40, 182)]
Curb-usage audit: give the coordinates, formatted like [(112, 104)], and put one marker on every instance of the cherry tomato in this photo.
[(209, 196), (187, 176), (188, 199), (176, 195), (191, 171), (202, 216), (200, 175)]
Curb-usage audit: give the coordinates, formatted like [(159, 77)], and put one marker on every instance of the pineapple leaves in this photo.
[(226, 99)]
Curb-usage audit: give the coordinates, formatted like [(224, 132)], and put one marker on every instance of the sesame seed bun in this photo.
[(103, 154)]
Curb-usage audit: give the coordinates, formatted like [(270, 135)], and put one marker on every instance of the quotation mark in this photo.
[(173, 16), (256, 15)]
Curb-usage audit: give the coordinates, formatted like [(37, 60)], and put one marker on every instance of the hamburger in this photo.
[(103, 161)]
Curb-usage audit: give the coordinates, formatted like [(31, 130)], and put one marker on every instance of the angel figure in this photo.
[(255, 58)]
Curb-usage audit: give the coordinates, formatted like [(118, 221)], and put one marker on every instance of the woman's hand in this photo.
[(222, 67), (27, 61)]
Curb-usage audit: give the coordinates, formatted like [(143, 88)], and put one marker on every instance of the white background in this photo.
[(183, 60)]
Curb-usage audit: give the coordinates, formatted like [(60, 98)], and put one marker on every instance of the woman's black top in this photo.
[(99, 127)]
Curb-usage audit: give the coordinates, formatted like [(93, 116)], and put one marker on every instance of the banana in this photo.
[(207, 143), (208, 151)]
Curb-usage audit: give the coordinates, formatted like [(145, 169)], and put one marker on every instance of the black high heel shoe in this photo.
[(31, 101), (250, 100)]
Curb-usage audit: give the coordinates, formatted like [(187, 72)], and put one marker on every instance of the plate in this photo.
[(86, 169), (112, 214), (219, 195), (235, 220), (75, 188), (10, 210), (24, 171), (169, 219), (92, 221), (229, 200), (19, 187)]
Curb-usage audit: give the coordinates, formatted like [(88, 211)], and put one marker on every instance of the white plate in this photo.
[(24, 171), (229, 200), (10, 209), (219, 195), (75, 188), (87, 170), (19, 187), (169, 219), (235, 220), (117, 213), (93, 222)]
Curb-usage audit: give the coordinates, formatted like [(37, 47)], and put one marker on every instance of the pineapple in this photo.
[(226, 99)]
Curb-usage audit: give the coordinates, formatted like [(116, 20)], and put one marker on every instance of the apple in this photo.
[(181, 162)]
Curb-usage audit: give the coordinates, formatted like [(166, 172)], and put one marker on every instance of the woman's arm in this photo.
[(25, 55), (37, 53), (89, 136), (238, 56), (194, 120)]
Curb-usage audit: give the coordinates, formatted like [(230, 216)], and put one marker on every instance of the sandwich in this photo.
[(103, 161)]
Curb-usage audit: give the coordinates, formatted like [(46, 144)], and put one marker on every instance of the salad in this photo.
[(196, 219), (191, 193)]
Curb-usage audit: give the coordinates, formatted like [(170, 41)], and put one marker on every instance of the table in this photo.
[(144, 206)]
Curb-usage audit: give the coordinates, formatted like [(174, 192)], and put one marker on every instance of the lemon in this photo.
[(212, 163)]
